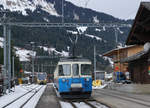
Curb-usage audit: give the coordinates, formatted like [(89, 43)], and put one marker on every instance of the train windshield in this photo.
[(75, 68), (41, 76), (86, 69), (64, 70)]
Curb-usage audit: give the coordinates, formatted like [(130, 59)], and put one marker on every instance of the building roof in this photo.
[(115, 51), (134, 57), (74, 59), (140, 30)]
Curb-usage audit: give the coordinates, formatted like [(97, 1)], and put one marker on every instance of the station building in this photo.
[(139, 63), (135, 58), (121, 53)]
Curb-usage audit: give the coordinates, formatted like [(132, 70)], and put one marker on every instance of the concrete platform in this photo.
[(131, 88), (48, 99)]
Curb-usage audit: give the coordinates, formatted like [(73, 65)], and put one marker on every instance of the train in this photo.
[(73, 77), (41, 78)]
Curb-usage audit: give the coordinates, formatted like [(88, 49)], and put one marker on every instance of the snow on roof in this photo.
[(116, 49)]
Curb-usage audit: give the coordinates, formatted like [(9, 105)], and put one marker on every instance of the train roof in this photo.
[(74, 59)]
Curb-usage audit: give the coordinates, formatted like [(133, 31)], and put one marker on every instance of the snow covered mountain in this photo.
[(59, 38), (24, 5)]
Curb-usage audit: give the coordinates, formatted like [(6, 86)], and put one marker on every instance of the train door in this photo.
[(75, 73)]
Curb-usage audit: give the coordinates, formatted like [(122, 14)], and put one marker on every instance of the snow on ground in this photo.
[(92, 36), (97, 105), (99, 30), (65, 105), (1, 42), (109, 59), (81, 29), (72, 32), (51, 50), (22, 100), (24, 5), (33, 102), (95, 19), (121, 32), (99, 87), (81, 105), (24, 55), (19, 91)]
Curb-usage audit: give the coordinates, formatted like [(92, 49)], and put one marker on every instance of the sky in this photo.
[(123, 9)]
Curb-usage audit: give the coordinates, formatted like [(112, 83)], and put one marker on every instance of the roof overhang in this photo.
[(140, 31)]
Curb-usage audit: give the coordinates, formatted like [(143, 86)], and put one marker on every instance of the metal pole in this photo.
[(32, 69), (38, 68), (95, 62), (13, 65), (5, 59), (62, 11), (9, 58)]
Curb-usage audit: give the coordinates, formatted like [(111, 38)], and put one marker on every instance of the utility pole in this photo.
[(5, 53), (9, 58), (95, 62), (13, 65), (32, 69)]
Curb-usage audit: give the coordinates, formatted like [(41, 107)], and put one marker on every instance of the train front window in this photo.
[(64, 70), (86, 69), (41, 76), (75, 68)]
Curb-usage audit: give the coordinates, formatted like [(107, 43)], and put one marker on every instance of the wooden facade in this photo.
[(139, 64), (121, 53)]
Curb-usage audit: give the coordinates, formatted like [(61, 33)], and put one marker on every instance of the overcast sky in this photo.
[(123, 9)]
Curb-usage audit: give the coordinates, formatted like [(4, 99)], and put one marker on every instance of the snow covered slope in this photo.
[(1, 42), (24, 5)]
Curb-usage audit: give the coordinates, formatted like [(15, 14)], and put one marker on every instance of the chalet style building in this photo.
[(122, 53), (139, 63), (136, 57)]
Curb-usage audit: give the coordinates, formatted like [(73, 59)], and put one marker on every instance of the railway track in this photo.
[(86, 103), (25, 97), (125, 97)]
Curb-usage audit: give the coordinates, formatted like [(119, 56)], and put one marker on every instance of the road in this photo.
[(48, 99), (122, 100)]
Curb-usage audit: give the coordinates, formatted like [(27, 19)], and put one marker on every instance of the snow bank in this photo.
[(99, 87)]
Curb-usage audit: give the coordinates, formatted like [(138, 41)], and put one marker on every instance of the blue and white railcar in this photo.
[(73, 77)]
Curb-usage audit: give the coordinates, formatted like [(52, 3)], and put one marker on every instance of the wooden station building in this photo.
[(122, 53), (139, 63)]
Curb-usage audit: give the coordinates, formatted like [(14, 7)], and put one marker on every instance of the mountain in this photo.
[(60, 38)]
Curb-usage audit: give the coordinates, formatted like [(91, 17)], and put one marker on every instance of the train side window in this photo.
[(65, 70), (86, 69), (75, 68)]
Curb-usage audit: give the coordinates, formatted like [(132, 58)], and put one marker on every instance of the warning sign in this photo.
[(97, 83)]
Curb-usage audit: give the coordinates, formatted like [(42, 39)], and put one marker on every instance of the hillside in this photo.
[(59, 38)]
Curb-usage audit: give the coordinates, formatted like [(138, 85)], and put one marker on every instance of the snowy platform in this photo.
[(21, 95)]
